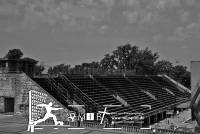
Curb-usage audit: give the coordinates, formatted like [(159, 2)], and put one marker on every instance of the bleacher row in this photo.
[(96, 91)]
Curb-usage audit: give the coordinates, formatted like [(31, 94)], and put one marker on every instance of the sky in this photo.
[(76, 31)]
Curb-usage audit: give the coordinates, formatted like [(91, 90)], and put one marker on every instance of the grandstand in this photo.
[(141, 100), (132, 92)]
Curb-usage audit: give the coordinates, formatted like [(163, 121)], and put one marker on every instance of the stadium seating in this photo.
[(94, 91), (60, 94), (163, 98), (76, 95), (129, 92), (166, 84)]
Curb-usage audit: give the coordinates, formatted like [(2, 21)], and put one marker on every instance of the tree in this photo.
[(59, 69), (121, 55), (108, 63), (14, 54), (181, 75), (94, 68), (142, 61), (164, 67), (77, 69), (50, 71), (38, 70), (128, 59)]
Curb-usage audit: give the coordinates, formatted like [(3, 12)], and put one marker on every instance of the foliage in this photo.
[(29, 60), (14, 54), (181, 75), (59, 69), (17, 54), (38, 70), (163, 67), (127, 59)]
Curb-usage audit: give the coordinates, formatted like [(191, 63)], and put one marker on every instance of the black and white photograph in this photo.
[(99, 66)]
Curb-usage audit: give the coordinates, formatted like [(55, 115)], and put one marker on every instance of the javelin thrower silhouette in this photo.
[(48, 114)]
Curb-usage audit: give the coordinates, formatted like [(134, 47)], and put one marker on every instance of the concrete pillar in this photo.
[(148, 121), (156, 118), (162, 115), (2, 108)]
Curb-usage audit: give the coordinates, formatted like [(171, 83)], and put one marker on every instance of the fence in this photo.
[(129, 129), (123, 128)]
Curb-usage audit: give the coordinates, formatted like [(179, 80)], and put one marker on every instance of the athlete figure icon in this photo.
[(48, 114)]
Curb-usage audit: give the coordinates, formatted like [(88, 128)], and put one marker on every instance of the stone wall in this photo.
[(6, 86), (18, 86), (7, 83), (22, 86)]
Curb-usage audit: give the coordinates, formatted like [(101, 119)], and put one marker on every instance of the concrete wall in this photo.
[(6, 86), (195, 76), (1, 104), (17, 86)]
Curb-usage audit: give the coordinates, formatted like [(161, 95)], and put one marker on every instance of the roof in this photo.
[(29, 60)]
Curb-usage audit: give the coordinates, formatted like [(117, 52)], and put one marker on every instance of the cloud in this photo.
[(108, 3), (62, 13), (178, 35), (9, 10), (184, 17), (149, 11), (184, 47), (158, 37), (150, 18), (147, 18), (87, 3), (103, 29), (193, 28), (163, 4), (131, 17), (190, 2), (189, 31), (93, 13), (130, 3)]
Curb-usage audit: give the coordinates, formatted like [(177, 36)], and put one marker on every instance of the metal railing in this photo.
[(80, 94), (75, 96), (58, 90), (132, 129)]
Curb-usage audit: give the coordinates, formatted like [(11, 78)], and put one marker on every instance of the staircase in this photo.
[(64, 95), (24, 84), (81, 97)]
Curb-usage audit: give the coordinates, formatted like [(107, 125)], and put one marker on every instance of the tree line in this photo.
[(125, 59), (128, 59)]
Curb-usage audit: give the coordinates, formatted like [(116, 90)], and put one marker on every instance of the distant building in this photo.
[(12, 90), (25, 65)]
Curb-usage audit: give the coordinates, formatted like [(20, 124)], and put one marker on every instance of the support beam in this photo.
[(156, 118), (162, 115), (149, 121)]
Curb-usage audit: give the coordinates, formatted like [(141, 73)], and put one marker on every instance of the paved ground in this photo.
[(18, 125), (178, 121)]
